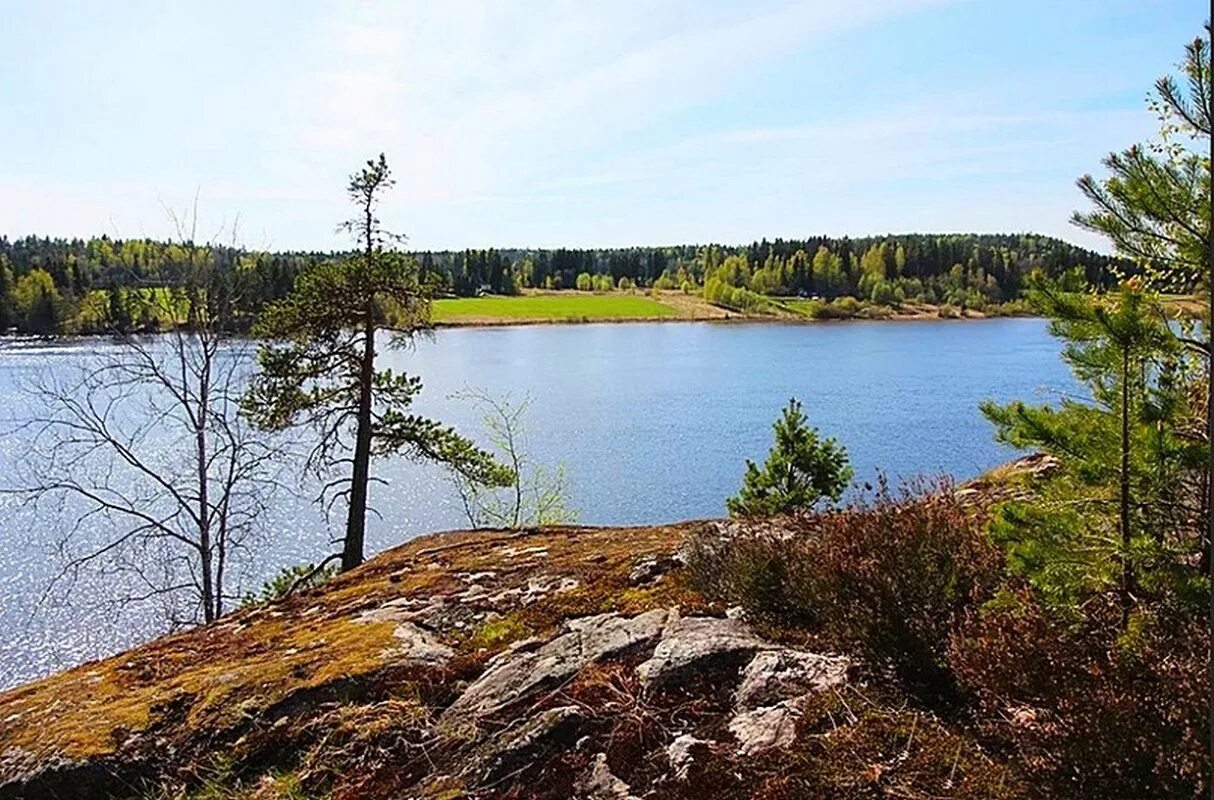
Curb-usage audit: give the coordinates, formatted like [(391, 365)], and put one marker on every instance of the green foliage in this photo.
[(738, 298), (840, 308), (118, 310), (887, 294), (313, 369), (801, 470), (6, 296), (37, 304), (1154, 205), (1113, 513), (829, 277), (318, 365), (243, 282), (1130, 502), (288, 579), (665, 282)]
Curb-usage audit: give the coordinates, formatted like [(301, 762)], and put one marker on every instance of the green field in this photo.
[(565, 307)]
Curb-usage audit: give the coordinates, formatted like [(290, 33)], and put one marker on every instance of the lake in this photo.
[(652, 421)]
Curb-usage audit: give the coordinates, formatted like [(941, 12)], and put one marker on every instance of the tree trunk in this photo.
[(221, 551), (356, 521), (204, 516), (1208, 554), (1127, 566)]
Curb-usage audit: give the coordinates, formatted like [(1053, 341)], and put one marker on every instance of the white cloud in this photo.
[(567, 122), (473, 99)]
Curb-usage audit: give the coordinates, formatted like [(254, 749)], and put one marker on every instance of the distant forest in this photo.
[(103, 284)]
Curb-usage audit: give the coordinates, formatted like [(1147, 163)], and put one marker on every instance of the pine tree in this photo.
[(801, 470), (6, 299), (1114, 513), (320, 364)]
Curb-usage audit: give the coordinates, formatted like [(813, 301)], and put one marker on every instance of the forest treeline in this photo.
[(102, 284)]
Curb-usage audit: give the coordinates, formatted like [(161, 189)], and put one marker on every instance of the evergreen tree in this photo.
[(1113, 514), (801, 470), (320, 366), (6, 296), (1155, 203), (118, 313)]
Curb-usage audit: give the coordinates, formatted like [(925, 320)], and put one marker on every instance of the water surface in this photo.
[(652, 421)]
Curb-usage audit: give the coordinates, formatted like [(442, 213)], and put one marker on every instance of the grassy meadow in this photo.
[(563, 307)]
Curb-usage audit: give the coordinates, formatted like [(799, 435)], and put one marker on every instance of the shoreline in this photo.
[(686, 309), (736, 319)]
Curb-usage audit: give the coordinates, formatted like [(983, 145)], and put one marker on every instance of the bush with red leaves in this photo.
[(1097, 710), (886, 578)]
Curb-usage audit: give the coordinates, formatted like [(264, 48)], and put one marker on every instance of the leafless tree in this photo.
[(536, 495), (145, 442)]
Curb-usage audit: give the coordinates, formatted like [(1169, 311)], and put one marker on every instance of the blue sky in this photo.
[(572, 123)]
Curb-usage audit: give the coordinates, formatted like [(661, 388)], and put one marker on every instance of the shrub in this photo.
[(839, 308), (289, 579), (664, 282), (801, 470), (1010, 308), (887, 578), (883, 294), (875, 312), (720, 293), (1098, 711)]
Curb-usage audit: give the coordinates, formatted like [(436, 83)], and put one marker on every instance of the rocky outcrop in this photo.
[(681, 752), (521, 673), (776, 675), (523, 742), (417, 646), (601, 784), (764, 728), (774, 688), (556, 663), (697, 643)]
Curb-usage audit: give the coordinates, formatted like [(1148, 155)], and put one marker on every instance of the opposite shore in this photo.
[(575, 307)]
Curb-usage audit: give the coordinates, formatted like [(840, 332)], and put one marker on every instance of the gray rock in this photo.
[(436, 614), (417, 645), (400, 609), (764, 728), (691, 643), (649, 568), (601, 784), (517, 675), (776, 675), (772, 694), (540, 587), (679, 754), (524, 742)]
